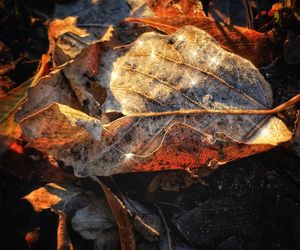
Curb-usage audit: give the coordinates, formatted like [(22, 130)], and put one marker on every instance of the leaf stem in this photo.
[(275, 110)]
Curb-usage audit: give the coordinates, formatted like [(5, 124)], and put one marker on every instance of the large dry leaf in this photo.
[(260, 48), (185, 71)]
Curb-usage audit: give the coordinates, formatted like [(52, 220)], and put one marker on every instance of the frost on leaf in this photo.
[(159, 73)]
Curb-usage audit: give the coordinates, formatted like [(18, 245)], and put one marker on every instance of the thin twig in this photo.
[(275, 110)]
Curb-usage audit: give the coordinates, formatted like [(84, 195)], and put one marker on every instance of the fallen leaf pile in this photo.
[(121, 98)]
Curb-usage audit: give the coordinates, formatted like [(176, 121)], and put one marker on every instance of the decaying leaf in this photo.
[(145, 221), (259, 48), (59, 27), (50, 88), (91, 227), (88, 213), (122, 216), (42, 199), (10, 104), (96, 17), (71, 84), (9, 129), (177, 7), (158, 78)]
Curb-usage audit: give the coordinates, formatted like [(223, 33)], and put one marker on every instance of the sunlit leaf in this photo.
[(10, 104), (259, 48), (168, 88)]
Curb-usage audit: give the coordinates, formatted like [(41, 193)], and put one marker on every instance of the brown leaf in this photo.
[(126, 233), (10, 104), (178, 94), (59, 27), (96, 221), (70, 84), (49, 89), (259, 48), (163, 8), (88, 213), (96, 17)]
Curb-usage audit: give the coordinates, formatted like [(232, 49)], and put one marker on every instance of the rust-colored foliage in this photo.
[(176, 7), (259, 48)]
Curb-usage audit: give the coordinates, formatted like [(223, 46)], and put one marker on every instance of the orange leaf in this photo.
[(59, 27), (259, 48), (164, 8), (42, 199), (275, 7)]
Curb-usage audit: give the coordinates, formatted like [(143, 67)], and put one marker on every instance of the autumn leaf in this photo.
[(10, 104), (170, 89), (69, 84), (43, 199), (95, 18), (275, 7), (169, 8), (59, 27), (87, 212), (122, 216), (259, 48)]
